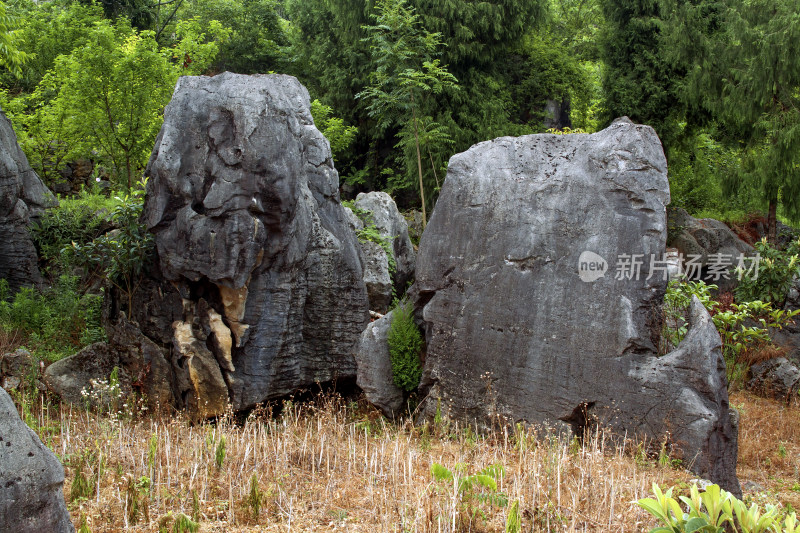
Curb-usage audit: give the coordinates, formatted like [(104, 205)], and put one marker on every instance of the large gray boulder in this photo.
[(31, 499), (527, 318), (23, 197), (243, 201), (375, 375), (707, 242)]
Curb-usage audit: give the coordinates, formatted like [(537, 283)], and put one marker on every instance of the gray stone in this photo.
[(391, 225), (707, 238), (23, 197), (515, 334), (375, 376), (142, 367), (243, 200), (376, 276), (375, 265), (775, 378), (16, 364), (31, 499)]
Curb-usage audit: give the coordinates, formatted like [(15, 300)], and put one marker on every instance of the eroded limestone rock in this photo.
[(32, 479), (23, 197), (244, 205), (519, 330)]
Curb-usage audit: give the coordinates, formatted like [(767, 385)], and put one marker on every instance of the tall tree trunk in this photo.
[(419, 166), (772, 223)]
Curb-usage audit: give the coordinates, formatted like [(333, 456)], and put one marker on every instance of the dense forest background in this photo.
[(400, 85)]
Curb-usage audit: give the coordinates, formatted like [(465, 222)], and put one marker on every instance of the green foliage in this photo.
[(254, 498), (184, 524), (55, 323), (45, 31), (712, 511), (120, 256), (11, 56), (257, 33), (514, 520), (74, 220), (219, 453), (472, 489), (407, 73), (339, 135), (744, 328), (103, 97), (638, 80), (676, 306), (741, 75), (776, 270), (405, 346)]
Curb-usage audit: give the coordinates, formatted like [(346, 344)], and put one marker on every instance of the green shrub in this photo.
[(776, 269), (54, 323), (120, 256), (405, 345)]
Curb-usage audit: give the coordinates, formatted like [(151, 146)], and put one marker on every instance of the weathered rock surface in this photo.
[(31, 499), (711, 242), (390, 224), (775, 378), (513, 332), (23, 196), (142, 367), (375, 265), (244, 205), (375, 376), (14, 367)]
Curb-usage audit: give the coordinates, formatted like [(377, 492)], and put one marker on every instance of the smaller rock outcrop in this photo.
[(391, 224), (375, 265), (14, 367), (23, 197), (374, 375), (31, 499), (381, 278), (142, 367), (707, 242), (775, 378)]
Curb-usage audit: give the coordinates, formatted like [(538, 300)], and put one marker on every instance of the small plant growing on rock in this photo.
[(405, 345)]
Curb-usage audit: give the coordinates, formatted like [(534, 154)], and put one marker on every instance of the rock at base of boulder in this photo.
[(31, 498), (84, 378), (374, 375)]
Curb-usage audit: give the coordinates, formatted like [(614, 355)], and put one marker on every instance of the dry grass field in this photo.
[(337, 465)]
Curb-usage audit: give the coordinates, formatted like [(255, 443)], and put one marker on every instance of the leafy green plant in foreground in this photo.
[(472, 489), (712, 511)]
